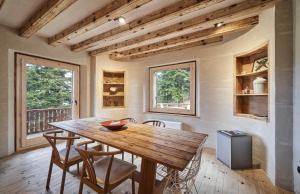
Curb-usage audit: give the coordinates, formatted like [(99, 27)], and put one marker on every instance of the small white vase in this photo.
[(259, 85)]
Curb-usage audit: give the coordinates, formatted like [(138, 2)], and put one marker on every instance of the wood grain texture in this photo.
[(43, 16), (160, 16), (106, 14), (194, 37), (27, 173), (207, 42), (1, 3), (165, 146), (240, 10)]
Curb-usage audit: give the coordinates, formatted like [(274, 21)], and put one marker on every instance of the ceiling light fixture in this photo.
[(218, 25), (121, 20)]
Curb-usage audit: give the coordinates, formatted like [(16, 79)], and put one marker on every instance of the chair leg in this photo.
[(122, 155), (49, 175), (195, 187), (80, 187), (132, 184), (132, 159), (62, 186), (77, 168)]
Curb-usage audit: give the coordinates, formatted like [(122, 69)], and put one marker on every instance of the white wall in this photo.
[(10, 42), (296, 95), (215, 67)]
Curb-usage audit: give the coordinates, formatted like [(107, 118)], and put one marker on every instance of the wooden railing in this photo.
[(38, 119)]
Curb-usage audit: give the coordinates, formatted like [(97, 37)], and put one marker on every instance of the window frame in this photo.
[(193, 88)]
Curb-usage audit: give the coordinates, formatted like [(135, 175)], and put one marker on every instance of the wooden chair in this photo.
[(64, 158), (155, 123), (178, 181), (106, 173)]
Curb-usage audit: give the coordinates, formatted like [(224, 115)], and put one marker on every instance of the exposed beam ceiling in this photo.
[(193, 37), (44, 15), (165, 14), (108, 13), (211, 41), (1, 3), (222, 15)]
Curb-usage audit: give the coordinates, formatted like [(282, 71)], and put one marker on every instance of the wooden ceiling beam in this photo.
[(222, 15), (210, 41), (195, 36), (163, 15), (106, 14), (43, 16), (1, 3)]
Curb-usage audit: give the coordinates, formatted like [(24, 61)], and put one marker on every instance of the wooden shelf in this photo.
[(265, 94), (113, 83), (116, 80), (251, 116), (250, 105), (253, 73), (114, 95)]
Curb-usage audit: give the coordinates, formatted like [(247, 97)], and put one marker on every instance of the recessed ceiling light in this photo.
[(121, 20), (219, 24)]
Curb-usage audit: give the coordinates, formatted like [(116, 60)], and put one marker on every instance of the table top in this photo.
[(170, 147)]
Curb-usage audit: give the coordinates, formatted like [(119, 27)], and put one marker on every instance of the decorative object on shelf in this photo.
[(113, 90), (260, 64), (246, 90), (259, 85)]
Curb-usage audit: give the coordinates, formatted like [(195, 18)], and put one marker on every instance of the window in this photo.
[(172, 88)]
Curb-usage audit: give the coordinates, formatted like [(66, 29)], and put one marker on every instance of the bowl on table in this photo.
[(114, 125)]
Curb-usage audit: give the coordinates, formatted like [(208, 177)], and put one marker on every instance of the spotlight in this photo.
[(121, 20), (219, 24)]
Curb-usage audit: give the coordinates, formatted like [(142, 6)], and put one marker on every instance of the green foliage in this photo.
[(48, 87), (173, 86)]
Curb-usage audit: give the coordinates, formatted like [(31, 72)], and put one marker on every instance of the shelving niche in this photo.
[(250, 104), (113, 81)]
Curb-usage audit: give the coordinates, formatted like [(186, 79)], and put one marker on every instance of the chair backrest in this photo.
[(52, 138), (155, 123), (193, 167), (88, 168), (132, 120)]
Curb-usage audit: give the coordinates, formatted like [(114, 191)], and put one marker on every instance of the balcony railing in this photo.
[(38, 119)]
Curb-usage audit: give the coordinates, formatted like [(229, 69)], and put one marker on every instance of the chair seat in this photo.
[(119, 170), (73, 154)]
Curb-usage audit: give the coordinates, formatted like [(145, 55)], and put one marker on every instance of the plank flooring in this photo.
[(25, 173)]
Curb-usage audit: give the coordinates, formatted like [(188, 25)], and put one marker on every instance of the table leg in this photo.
[(147, 177)]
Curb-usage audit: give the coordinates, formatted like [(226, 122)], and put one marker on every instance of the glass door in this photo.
[(47, 91)]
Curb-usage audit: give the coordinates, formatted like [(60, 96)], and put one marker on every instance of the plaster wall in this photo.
[(215, 90), (296, 132), (284, 94), (10, 43)]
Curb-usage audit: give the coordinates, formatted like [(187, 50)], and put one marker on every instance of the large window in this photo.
[(172, 88)]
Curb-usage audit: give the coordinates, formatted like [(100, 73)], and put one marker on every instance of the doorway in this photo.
[(46, 91)]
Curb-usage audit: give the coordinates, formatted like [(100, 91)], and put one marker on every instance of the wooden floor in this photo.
[(27, 172)]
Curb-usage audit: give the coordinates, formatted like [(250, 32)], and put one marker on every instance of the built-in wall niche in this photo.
[(251, 91), (113, 89)]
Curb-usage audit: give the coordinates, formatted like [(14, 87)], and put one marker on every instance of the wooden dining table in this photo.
[(169, 147)]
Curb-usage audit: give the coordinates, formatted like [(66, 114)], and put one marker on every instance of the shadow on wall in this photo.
[(258, 152), (186, 127)]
